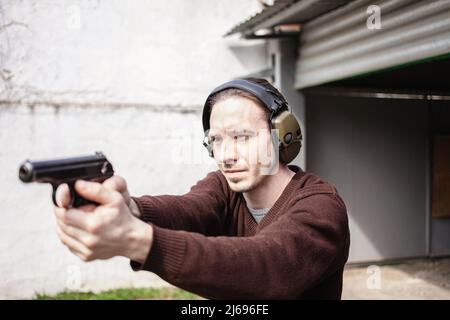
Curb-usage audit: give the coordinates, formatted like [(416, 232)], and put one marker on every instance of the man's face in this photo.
[(242, 144)]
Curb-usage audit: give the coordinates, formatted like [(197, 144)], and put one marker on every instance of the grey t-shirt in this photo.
[(258, 214)]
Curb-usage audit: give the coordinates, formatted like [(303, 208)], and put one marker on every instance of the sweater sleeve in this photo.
[(201, 210), (291, 255)]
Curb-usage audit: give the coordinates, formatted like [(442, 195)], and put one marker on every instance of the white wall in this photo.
[(125, 78)]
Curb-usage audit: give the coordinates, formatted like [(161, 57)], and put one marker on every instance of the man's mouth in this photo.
[(233, 170), (234, 174)]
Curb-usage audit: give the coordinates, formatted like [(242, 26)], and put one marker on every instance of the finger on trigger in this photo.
[(63, 196)]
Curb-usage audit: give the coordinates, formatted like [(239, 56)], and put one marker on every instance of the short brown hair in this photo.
[(222, 95)]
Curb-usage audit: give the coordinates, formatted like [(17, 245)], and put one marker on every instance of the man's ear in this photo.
[(268, 159)]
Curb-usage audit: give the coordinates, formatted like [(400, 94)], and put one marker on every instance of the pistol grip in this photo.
[(75, 199)]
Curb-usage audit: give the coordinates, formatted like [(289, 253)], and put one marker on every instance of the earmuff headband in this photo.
[(266, 96)]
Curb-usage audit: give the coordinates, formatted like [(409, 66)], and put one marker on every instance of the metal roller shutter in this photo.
[(339, 44)]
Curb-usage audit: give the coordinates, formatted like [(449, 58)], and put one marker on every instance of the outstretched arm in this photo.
[(203, 209), (287, 258), (297, 252)]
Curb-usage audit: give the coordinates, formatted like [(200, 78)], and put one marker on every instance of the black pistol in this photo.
[(67, 170)]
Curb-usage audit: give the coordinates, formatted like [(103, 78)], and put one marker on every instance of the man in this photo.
[(257, 228)]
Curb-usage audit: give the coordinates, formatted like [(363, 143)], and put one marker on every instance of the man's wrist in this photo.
[(134, 208), (140, 240)]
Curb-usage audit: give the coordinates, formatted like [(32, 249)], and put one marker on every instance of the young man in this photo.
[(257, 228)]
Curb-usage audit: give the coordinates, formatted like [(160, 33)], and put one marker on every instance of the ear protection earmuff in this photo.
[(289, 132)]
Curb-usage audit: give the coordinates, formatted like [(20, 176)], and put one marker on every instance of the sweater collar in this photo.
[(252, 225)]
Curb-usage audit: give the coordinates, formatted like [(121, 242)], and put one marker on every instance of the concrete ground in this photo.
[(410, 279)]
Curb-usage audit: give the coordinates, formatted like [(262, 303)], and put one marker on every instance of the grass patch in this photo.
[(123, 294)]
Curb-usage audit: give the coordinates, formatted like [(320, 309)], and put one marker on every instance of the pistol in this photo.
[(67, 170)]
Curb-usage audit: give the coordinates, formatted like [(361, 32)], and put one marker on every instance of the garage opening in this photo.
[(383, 139)]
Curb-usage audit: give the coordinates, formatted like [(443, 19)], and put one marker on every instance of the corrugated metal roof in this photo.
[(261, 16), (286, 12)]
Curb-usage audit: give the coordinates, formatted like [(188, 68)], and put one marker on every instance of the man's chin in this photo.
[(238, 189), (239, 186)]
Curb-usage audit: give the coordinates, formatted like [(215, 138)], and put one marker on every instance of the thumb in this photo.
[(95, 191), (118, 184)]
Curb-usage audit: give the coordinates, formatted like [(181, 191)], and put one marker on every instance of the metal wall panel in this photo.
[(339, 45)]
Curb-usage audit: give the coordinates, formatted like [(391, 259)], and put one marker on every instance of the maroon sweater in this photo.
[(207, 242)]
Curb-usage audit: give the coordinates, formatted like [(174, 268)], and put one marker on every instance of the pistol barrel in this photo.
[(67, 169)]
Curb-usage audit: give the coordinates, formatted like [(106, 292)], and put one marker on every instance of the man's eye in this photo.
[(241, 138), (215, 139)]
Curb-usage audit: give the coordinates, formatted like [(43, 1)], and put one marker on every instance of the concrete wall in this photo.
[(125, 78)]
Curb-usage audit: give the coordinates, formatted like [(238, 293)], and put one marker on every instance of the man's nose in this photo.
[(228, 152)]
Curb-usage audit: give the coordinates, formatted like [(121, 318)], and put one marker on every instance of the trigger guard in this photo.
[(72, 194), (54, 195)]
